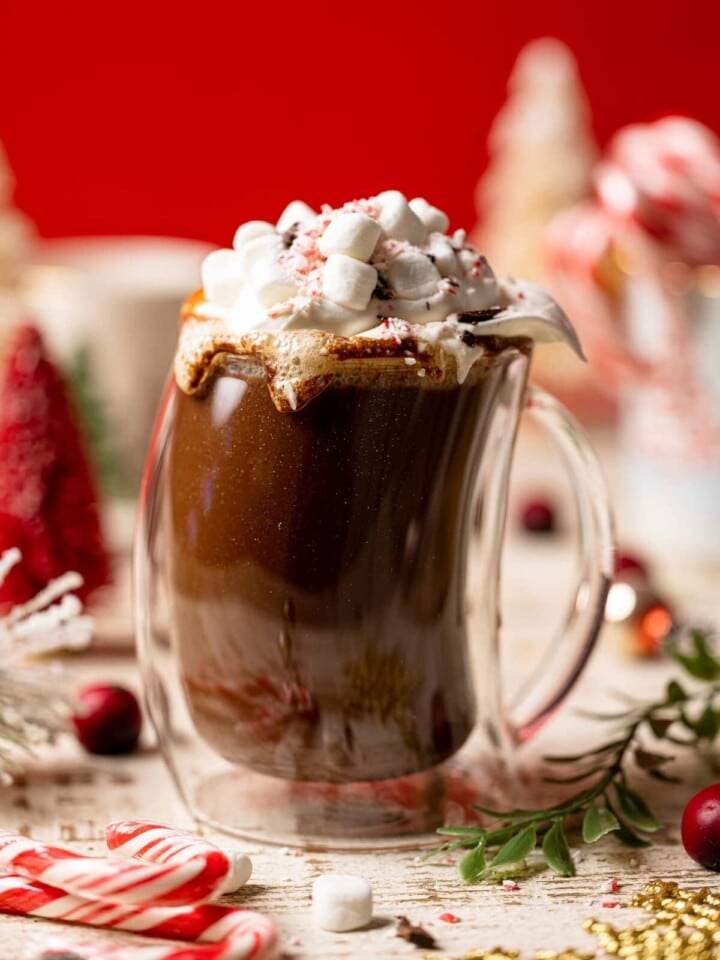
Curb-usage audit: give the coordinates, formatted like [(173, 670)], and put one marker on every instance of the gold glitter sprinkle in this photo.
[(682, 925)]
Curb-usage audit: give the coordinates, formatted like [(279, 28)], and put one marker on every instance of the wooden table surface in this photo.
[(68, 797)]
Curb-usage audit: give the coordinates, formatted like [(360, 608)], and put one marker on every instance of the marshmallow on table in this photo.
[(434, 220), (341, 901), (397, 219), (353, 234), (413, 275), (250, 231), (222, 277), (348, 282), (295, 212)]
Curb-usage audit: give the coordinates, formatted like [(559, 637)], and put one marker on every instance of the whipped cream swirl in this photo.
[(380, 267)]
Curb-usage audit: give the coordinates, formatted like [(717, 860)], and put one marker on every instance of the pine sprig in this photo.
[(606, 804)]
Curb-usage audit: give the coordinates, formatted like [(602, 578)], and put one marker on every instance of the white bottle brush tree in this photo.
[(542, 153), (33, 707)]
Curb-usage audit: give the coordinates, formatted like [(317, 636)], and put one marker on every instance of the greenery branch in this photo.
[(605, 804)]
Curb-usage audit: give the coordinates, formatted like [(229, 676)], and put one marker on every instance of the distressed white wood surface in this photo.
[(68, 797)]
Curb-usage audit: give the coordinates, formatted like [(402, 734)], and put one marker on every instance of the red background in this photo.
[(187, 118)]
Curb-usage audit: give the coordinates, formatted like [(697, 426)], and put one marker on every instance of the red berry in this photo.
[(629, 563), (107, 719), (538, 516), (700, 827)]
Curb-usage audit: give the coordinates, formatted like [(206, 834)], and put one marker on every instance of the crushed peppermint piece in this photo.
[(449, 918), (612, 885), (510, 885), (610, 904)]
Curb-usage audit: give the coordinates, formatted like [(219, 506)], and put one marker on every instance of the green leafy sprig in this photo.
[(606, 804)]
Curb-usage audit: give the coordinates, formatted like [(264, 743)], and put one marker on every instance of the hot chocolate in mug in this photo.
[(338, 430)]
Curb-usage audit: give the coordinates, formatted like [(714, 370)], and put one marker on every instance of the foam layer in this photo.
[(299, 364)]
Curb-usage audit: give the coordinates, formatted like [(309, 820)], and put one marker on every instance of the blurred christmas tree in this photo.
[(91, 411), (542, 153), (48, 501)]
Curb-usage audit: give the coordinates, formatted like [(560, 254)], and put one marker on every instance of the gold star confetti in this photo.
[(682, 925)]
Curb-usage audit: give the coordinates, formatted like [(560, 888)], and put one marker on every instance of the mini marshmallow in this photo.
[(341, 901), (482, 294), (434, 220), (259, 250), (271, 283), (222, 277), (348, 282), (250, 230), (443, 256), (295, 212), (413, 275), (240, 870), (353, 234), (398, 220)]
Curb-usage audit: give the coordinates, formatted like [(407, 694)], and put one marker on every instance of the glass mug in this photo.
[(300, 590)]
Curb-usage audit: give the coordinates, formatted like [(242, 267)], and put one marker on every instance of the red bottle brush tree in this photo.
[(48, 499)]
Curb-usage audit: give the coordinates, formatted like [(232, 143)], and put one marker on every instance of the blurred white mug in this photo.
[(118, 298)]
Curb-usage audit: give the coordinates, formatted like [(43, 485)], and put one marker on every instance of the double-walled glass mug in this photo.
[(301, 594)]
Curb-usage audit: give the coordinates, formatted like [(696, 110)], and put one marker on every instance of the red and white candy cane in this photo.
[(159, 844), (60, 948), (237, 933), (665, 178), (103, 878)]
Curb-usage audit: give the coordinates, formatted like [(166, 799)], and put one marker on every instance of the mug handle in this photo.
[(548, 686)]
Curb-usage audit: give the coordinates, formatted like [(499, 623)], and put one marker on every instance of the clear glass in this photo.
[(670, 409), (300, 588)]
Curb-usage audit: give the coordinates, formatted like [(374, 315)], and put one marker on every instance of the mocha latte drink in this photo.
[(336, 379)]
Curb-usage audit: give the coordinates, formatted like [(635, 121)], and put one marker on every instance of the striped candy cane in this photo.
[(241, 934), (60, 948), (159, 844), (100, 878)]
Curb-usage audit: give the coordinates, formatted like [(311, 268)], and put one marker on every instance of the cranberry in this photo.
[(700, 827), (107, 719), (629, 563), (538, 516)]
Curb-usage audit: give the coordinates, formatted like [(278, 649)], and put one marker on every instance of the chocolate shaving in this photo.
[(414, 934), (479, 316), (431, 257), (469, 339), (288, 238), (382, 289)]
